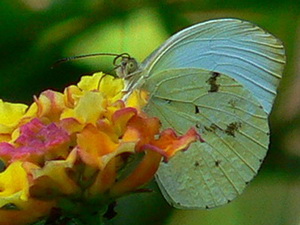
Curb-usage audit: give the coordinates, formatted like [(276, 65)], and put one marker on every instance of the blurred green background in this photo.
[(35, 33)]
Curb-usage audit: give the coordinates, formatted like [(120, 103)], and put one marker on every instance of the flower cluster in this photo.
[(72, 149)]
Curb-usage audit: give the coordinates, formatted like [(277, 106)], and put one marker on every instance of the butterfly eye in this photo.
[(131, 65)]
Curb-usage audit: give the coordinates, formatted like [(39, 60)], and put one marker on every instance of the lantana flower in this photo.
[(69, 152)]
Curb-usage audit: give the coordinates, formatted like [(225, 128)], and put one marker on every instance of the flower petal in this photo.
[(14, 184), (55, 175), (10, 116), (94, 144), (141, 129), (37, 142), (109, 86), (141, 175), (120, 119), (50, 105), (138, 99), (90, 83), (88, 109), (71, 96), (171, 143)]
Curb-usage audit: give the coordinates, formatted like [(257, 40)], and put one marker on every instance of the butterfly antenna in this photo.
[(123, 55), (85, 56)]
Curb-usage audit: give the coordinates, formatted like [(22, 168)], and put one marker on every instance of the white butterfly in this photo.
[(219, 76)]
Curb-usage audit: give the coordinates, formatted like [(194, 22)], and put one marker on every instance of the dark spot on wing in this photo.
[(212, 128), (168, 101), (207, 207), (228, 201), (196, 164), (197, 111), (200, 128), (232, 103), (217, 163), (212, 81), (260, 160), (208, 129), (232, 128), (247, 182)]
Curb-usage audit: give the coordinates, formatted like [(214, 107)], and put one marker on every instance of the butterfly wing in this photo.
[(238, 48), (232, 122)]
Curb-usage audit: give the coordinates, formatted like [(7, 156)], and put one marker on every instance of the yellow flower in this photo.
[(10, 116)]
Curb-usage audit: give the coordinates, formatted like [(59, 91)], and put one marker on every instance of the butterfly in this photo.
[(220, 77)]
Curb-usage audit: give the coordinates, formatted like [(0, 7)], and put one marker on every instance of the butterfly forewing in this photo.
[(232, 122), (238, 48)]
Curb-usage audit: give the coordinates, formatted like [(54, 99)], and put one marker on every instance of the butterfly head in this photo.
[(125, 65)]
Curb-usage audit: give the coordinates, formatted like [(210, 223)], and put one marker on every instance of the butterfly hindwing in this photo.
[(229, 118)]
